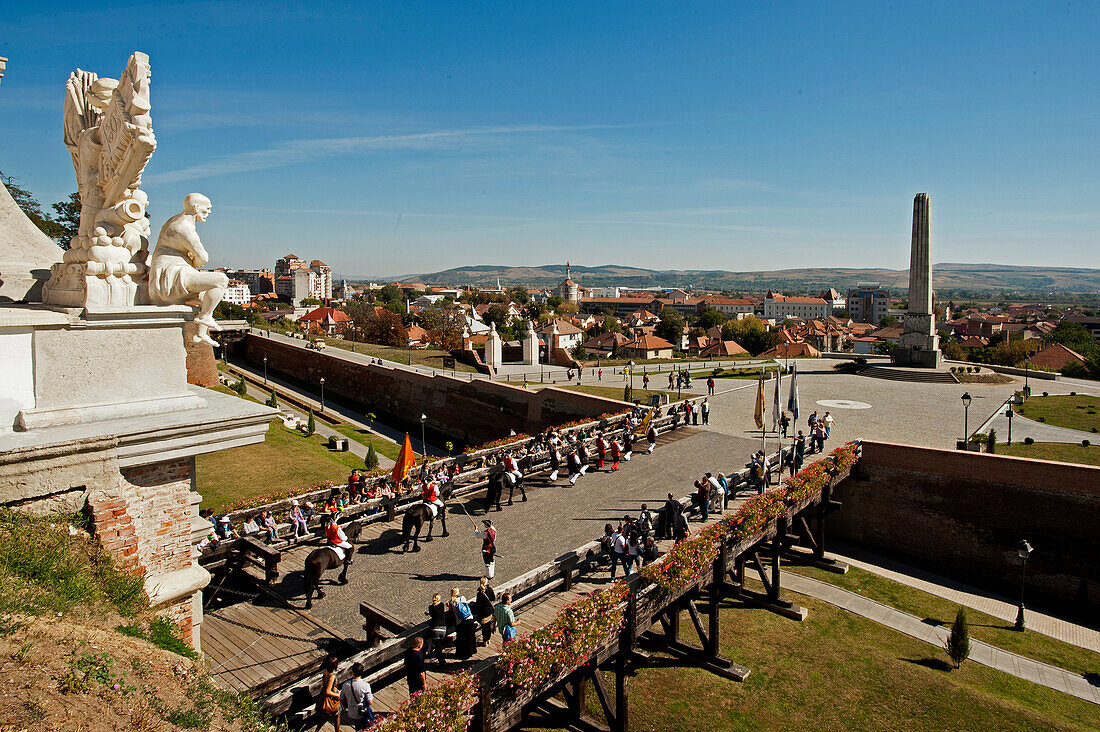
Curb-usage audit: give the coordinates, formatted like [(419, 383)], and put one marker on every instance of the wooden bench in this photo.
[(266, 557)]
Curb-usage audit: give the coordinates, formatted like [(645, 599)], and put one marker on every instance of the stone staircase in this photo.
[(900, 373)]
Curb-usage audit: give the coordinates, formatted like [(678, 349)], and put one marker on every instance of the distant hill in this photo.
[(958, 277)]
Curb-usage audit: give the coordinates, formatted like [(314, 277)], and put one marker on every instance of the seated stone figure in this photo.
[(174, 277)]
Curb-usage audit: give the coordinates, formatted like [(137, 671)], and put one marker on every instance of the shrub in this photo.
[(241, 388), (1029, 440), (371, 460), (958, 643), (311, 423), (991, 441), (1073, 393), (273, 402), (1046, 393), (1085, 443), (1042, 419)]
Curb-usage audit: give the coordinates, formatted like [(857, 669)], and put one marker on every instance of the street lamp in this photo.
[(1023, 552), (966, 417), (265, 370), (1008, 413), (322, 395), (1027, 366), (423, 442)]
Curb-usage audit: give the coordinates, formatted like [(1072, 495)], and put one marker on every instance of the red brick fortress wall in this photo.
[(965, 513), (479, 410)]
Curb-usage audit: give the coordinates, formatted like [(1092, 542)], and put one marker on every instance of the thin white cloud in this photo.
[(298, 151)]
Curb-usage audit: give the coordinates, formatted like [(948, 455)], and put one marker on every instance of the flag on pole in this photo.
[(775, 404), (792, 399), (406, 459), (759, 414)]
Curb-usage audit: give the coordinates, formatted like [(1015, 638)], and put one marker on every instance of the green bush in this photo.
[(311, 423), (991, 441), (273, 402), (958, 643), (1085, 443), (371, 460), (241, 388), (1029, 440)]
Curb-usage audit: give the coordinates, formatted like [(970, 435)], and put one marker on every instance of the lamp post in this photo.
[(1008, 413), (322, 395), (423, 442), (265, 370), (966, 417), (1027, 367), (1023, 552)]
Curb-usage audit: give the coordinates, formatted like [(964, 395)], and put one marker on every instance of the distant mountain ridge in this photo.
[(947, 276)]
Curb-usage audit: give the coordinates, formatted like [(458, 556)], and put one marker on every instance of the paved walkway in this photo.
[(971, 597), (983, 653)]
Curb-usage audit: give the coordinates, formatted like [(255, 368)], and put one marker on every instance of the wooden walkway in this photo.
[(253, 647)]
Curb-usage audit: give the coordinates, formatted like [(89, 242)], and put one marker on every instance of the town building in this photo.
[(603, 292), (647, 346), (868, 303), (259, 281), (237, 293), (836, 301), (568, 290), (731, 307), (780, 307)]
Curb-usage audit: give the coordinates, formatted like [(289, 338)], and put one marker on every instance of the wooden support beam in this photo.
[(687, 654), (622, 707), (697, 621), (602, 696), (764, 580)]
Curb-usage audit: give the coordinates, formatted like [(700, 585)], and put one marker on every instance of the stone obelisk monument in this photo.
[(919, 344)]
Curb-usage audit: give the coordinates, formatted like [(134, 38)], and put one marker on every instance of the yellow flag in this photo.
[(406, 459), (759, 413)]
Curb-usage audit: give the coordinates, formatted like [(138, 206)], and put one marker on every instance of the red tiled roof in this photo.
[(320, 314)]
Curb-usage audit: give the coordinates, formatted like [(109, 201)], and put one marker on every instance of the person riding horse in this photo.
[(338, 550)]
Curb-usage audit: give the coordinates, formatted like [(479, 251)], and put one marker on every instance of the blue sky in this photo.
[(387, 138)]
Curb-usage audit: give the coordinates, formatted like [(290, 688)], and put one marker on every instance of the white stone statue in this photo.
[(109, 133), (174, 277)]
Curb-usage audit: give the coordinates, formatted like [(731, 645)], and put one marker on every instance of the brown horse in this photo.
[(325, 558), (418, 514)]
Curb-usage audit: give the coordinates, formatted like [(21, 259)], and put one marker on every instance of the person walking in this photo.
[(489, 549), (484, 606), (356, 698), (505, 618), (599, 375), (651, 437), (710, 386), (616, 455), (645, 382), (618, 553), (555, 462), (704, 408), (415, 670), (671, 380), (828, 420), (628, 444), (784, 423), (812, 420), (574, 466), (328, 705), (799, 451), (672, 509)]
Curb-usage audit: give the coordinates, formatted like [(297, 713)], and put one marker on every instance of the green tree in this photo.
[(991, 441), (554, 302), (273, 402), (371, 460), (750, 333), (709, 317), (958, 643), (311, 423), (389, 293), (611, 324), (671, 327), (887, 320), (518, 295), (68, 220), (241, 388)]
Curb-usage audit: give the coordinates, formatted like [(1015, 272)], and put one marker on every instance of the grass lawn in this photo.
[(1061, 451), (839, 671), (1078, 412), (616, 392), (286, 461), (432, 357), (746, 373), (381, 445), (993, 631)]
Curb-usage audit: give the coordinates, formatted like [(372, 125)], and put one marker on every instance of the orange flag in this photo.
[(405, 460)]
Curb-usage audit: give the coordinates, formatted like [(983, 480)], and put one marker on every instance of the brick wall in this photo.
[(144, 522), (964, 514), (470, 412)]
